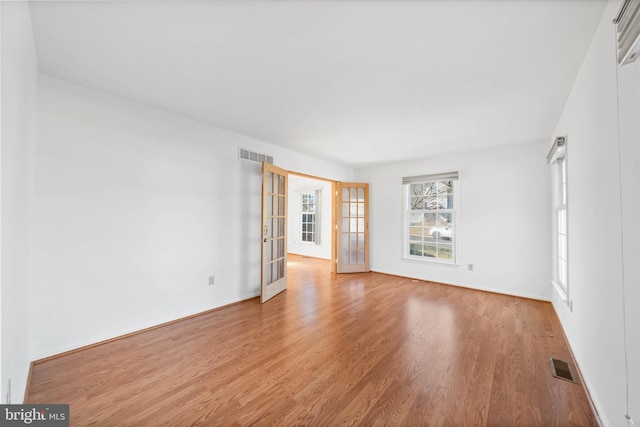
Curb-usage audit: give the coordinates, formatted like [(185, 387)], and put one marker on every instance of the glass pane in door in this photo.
[(352, 228)]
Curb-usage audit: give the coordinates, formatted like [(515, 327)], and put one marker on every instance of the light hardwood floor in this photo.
[(362, 349)]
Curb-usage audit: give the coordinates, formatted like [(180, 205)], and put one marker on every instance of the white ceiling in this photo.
[(357, 82)]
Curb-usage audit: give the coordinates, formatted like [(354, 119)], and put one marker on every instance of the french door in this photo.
[(274, 231), (352, 227)]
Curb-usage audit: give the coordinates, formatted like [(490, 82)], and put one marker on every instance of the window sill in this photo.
[(430, 261)]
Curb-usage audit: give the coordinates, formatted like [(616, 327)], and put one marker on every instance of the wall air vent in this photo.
[(252, 156)]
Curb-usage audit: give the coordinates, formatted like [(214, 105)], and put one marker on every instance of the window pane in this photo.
[(415, 249), (445, 251), (562, 271), (562, 221), (281, 184), (431, 203), (430, 219), (361, 194), (444, 219), (442, 202), (354, 197), (430, 189), (345, 224), (417, 202), (562, 246), (353, 226), (268, 274), (415, 227), (274, 271), (345, 209), (442, 233), (345, 194), (416, 196), (429, 250)]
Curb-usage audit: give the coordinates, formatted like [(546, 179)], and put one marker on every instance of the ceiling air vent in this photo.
[(252, 156)]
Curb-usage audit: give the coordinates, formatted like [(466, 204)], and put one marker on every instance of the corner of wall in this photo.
[(18, 91)]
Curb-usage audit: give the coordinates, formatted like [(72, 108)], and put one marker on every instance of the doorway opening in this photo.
[(309, 219)]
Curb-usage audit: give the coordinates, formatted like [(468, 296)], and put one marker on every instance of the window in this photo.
[(558, 160), (310, 218), (430, 217)]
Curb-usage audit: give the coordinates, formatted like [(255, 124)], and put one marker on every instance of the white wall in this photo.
[(297, 186), (503, 219), (595, 327), (134, 209), (19, 85)]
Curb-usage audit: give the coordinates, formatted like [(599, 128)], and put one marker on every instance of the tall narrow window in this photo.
[(310, 218), (558, 160), (430, 217)]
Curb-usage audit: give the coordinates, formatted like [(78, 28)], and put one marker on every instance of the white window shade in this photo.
[(628, 27), (557, 150), (432, 177)]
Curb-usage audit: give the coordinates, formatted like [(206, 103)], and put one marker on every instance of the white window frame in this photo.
[(560, 262), (454, 212), (315, 194)]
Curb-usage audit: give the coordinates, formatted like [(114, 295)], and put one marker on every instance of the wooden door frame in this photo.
[(338, 201), (334, 219), (273, 288)]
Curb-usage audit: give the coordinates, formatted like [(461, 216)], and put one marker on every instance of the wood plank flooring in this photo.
[(363, 349)]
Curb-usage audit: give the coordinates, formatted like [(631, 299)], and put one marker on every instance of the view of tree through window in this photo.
[(431, 220)]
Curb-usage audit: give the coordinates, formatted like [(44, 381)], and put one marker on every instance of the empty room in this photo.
[(341, 212)]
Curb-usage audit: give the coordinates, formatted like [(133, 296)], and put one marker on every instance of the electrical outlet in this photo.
[(8, 397), (212, 280), (470, 267)]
